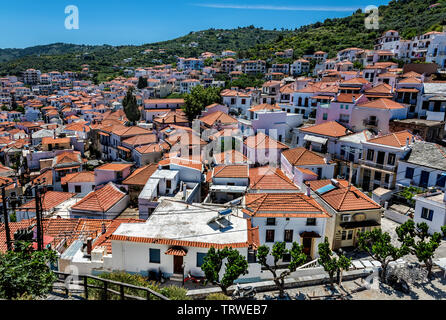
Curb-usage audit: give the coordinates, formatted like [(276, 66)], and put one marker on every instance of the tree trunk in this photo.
[(224, 289), (280, 286), (331, 275), (340, 278), (428, 263), (383, 272)]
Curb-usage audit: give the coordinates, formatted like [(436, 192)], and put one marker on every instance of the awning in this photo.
[(176, 252), (315, 139), (67, 168), (437, 98), (123, 149), (309, 234), (359, 224), (103, 134)]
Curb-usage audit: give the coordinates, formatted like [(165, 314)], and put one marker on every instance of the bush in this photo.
[(217, 296), (175, 293)]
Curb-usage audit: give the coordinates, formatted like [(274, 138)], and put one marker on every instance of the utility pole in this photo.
[(5, 215)]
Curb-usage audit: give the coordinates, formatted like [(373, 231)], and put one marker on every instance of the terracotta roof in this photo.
[(347, 97), (263, 141), (175, 252), (51, 140), (302, 157), (114, 166), (218, 116), (396, 139), (68, 157), (382, 103), (100, 200), (141, 175), (50, 199), (141, 139), (230, 171), (329, 128), (293, 205), (269, 178), (383, 88), (83, 176), (410, 80), (231, 156), (265, 106), (344, 197)]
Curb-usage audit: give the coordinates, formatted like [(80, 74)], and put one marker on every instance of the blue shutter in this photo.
[(155, 255), (441, 180), (200, 258)]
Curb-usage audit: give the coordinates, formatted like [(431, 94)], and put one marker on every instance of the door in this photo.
[(307, 242), (178, 264), (380, 158)]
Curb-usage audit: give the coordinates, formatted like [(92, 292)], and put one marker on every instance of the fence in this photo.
[(105, 288)]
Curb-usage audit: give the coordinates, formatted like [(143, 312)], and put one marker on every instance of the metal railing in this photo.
[(105, 288)]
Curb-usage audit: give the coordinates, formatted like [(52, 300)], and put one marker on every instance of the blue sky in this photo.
[(117, 22)]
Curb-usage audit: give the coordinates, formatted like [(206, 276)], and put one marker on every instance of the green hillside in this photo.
[(409, 17)]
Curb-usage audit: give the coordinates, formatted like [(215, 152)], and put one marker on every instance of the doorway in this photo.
[(178, 264), (307, 244)]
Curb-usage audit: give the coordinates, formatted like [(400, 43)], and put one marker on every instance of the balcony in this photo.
[(374, 165)]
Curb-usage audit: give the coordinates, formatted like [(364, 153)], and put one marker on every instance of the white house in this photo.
[(431, 209)]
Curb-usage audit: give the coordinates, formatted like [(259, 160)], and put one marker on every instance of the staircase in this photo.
[(176, 277)]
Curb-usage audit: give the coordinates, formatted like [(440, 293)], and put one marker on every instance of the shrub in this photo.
[(175, 293), (217, 296)]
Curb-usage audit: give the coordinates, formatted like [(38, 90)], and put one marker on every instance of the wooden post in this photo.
[(121, 289), (86, 287), (105, 291)]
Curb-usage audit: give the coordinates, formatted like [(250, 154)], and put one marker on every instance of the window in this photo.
[(378, 175), (270, 221), (342, 106), (387, 178), (441, 180), (409, 173), (154, 255), (391, 159), (288, 236), (345, 217), (350, 235), (427, 214), (325, 116), (370, 155), (200, 258), (311, 221), (346, 107), (77, 189), (168, 184), (269, 236), (344, 235)]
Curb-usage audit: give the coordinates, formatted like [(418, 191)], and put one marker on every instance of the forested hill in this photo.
[(409, 17)]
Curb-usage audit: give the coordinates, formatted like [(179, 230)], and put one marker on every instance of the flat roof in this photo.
[(164, 174), (187, 222)]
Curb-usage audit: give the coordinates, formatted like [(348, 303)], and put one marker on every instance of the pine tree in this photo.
[(131, 107)]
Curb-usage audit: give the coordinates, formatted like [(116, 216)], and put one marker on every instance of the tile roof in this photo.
[(293, 205), (82, 176), (230, 171), (396, 139), (100, 200), (114, 166), (269, 178), (50, 199), (141, 139), (301, 157), (67, 158), (141, 175), (382, 103), (344, 197), (218, 116), (231, 156), (329, 128), (263, 141)]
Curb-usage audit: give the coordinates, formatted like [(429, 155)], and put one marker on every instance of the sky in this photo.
[(120, 22)]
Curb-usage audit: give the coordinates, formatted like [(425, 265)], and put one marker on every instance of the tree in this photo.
[(198, 99), (131, 107), (278, 251), (142, 83), (332, 264), (25, 271), (236, 265), (379, 246), (420, 243)]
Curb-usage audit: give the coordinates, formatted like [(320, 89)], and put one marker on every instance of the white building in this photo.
[(431, 209)]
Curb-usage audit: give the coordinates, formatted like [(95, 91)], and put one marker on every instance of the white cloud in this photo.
[(269, 7)]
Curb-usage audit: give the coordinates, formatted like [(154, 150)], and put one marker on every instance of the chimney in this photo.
[(89, 243), (311, 147), (407, 142), (308, 191)]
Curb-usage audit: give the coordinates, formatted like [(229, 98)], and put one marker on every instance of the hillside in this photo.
[(409, 17), (102, 58)]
